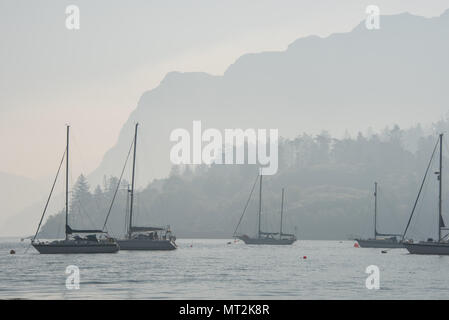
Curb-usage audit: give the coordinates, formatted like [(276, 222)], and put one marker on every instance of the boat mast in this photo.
[(440, 178), (132, 185), (375, 210), (282, 211), (260, 204), (128, 190), (67, 185)]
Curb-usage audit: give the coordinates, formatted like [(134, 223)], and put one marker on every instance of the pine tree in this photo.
[(81, 197)]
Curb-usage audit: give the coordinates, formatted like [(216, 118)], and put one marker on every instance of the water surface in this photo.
[(214, 269)]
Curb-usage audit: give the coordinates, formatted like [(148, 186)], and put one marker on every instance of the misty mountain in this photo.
[(17, 193), (355, 80)]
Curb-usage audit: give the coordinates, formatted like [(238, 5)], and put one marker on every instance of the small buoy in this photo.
[(305, 257), (12, 252), (356, 245)]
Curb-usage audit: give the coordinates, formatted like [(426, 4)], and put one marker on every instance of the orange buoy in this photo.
[(356, 245)]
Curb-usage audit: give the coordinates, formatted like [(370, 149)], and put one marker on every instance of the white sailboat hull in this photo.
[(266, 241), (379, 243), (146, 244)]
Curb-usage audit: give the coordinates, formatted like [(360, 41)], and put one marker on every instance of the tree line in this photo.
[(328, 182)]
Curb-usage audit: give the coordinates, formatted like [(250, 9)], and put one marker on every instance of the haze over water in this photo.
[(213, 269)]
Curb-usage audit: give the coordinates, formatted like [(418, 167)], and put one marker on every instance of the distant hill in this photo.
[(355, 80), (17, 193)]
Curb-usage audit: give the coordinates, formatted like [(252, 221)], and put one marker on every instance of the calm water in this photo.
[(213, 269)]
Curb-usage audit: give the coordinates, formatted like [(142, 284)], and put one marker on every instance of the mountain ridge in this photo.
[(372, 74)]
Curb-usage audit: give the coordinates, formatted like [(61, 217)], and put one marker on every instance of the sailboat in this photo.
[(144, 238), (73, 242), (268, 238), (441, 245), (380, 240)]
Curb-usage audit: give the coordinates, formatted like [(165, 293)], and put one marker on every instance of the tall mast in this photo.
[(282, 211), (440, 178), (128, 190), (132, 185), (260, 204), (375, 210), (67, 184)]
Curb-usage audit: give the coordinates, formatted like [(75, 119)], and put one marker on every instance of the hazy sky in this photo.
[(92, 78)]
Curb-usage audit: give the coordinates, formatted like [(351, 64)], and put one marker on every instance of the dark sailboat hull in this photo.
[(72, 248), (143, 244), (379, 243), (428, 248), (267, 241)]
